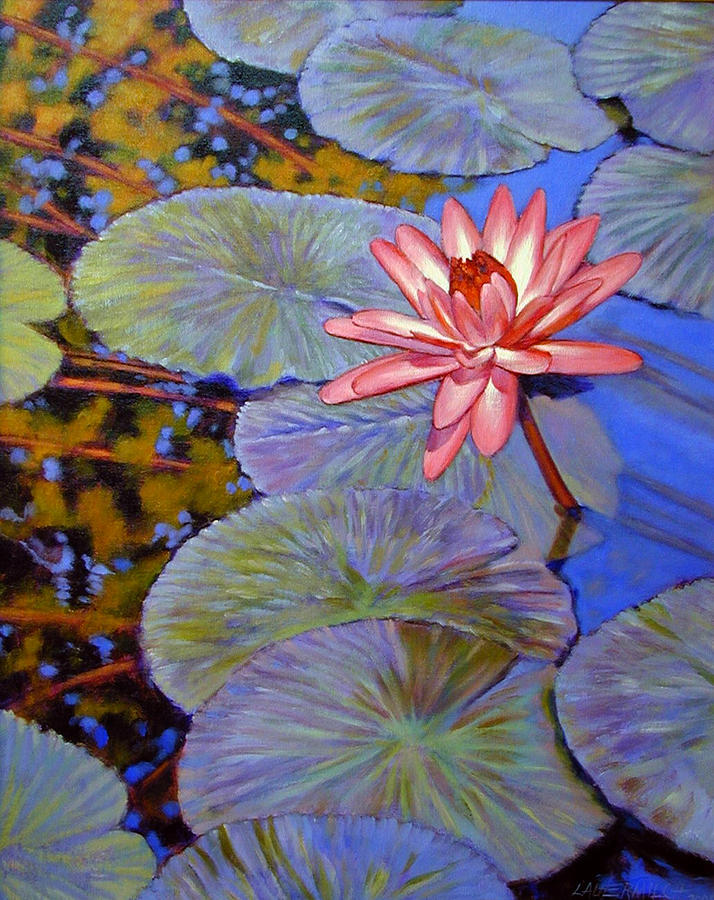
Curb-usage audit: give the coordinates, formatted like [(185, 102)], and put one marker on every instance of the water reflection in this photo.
[(660, 420)]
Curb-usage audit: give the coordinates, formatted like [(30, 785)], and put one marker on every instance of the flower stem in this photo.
[(100, 386), (51, 226), (87, 451), (92, 678), (54, 212), (173, 88), (161, 770), (546, 464), (83, 359), (95, 166), (63, 219), (567, 526), (83, 622), (37, 703)]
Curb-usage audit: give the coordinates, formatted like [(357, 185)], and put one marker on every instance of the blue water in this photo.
[(664, 531), (660, 420)]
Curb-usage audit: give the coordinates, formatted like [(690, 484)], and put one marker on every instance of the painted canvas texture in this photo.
[(356, 449)]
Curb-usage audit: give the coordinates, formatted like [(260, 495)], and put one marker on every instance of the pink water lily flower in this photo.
[(487, 305)]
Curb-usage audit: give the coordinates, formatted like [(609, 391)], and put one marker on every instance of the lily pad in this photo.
[(290, 441), (327, 858), (29, 292), (397, 720), (279, 34), (239, 280), (391, 90), (59, 816), (659, 58), (659, 202), (636, 700), (289, 564)]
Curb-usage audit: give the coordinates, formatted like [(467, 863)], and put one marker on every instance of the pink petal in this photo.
[(467, 320), (388, 373), (508, 298), (578, 240), (437, 306), (424, 253), (494, 413), (529, 316), (493, 313), (346, 328), (522, 362), (614, 272), (565, 308), (555, 234), (391, 373), (500, 224), (543, 279), (456, 395), (526, 251), (394, 323), (401, 270), (563, 257), (460, 238), (442, 445), (586, 358), (611, 274)]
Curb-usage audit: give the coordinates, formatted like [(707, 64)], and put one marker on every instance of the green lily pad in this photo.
[(29, 292), (239, 280), (636, 700), (327, 858), (392, 89), (289, 564), (398, 720), (279, 34), (59, 816), (658, 202), (291, 441), (659, 58)]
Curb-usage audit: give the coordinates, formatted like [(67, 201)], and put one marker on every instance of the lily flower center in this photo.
[(470, 275)]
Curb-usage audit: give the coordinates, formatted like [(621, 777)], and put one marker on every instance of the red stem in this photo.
[(88, 451), (99, 386), (546, 463), (51, 226), (53, 211), (125, 666), (36, 704), (83, 359), (85, 622), (96, 166)]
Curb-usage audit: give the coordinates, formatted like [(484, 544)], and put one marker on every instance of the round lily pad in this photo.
[(59, 816), (397, 720), (289, 564), (659, 58), (636, 700), (392, 89), (658, 201), (279, 34), (29, 292), (327, 858), (291, 441), (239, 280)]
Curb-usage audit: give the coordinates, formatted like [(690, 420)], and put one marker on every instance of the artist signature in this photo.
[(641, 889)]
